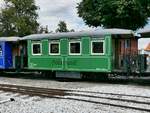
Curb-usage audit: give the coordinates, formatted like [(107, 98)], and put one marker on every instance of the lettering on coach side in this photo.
[(56, 62), (59, 62)]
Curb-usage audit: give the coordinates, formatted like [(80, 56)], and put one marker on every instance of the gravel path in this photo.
[(26, 104)]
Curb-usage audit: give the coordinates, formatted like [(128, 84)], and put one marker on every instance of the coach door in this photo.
[(23, 54), (64, 52), (117, 53), (56, 61)]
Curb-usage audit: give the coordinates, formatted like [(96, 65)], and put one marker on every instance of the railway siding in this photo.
[(80, 96), (70, 95)]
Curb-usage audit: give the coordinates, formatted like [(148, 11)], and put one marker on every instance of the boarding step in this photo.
[(64, 74)]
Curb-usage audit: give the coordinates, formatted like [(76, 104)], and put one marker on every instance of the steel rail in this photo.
[(66, 90), (59, 94)]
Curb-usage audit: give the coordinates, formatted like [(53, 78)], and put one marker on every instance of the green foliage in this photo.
[(72, 30), (62, 27), (43, 29), (129, 14), (19, 18)]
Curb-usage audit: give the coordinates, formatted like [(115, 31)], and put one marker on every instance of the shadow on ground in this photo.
[(143, 81)]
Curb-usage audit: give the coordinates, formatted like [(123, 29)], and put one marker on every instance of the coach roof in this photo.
[(9, 39), (79, 34)]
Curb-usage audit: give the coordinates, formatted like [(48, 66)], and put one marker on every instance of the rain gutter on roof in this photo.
[(79, 34), (9, 39)]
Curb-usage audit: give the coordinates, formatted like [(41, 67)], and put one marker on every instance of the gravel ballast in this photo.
[(26, 104)]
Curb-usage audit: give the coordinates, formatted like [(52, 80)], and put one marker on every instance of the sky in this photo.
[(53, 11)]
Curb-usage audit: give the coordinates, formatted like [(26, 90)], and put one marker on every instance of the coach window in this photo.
[(36, 49), (54, 48), (127, 43), (97, 47), (74, 48)]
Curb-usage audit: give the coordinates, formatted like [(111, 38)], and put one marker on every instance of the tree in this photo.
[(129, 14), (19, 17), (62, 27), (43, 29), (72, 30)]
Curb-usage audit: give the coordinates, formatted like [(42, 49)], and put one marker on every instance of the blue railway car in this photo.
[(6, 52), (5, 55)]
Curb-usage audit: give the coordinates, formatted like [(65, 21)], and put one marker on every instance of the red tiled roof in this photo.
[(147, 48)]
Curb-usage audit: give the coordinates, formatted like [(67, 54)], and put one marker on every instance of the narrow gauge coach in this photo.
[(72, 54)]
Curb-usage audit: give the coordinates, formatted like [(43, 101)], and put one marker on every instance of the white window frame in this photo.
[(40, 48), (54, 42), (70, 48), (92, 47)]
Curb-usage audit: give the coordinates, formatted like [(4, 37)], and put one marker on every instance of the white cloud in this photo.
[(1, 3), (51, 12)]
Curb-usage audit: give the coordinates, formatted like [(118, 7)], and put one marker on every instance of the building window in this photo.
[(75, 48), (36, 49), (1, 51), (97, 47), (54, 48)]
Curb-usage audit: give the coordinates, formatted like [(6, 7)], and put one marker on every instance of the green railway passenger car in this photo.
[(92, 51)]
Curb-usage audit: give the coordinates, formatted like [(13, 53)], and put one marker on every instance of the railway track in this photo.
[(85, 96)]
